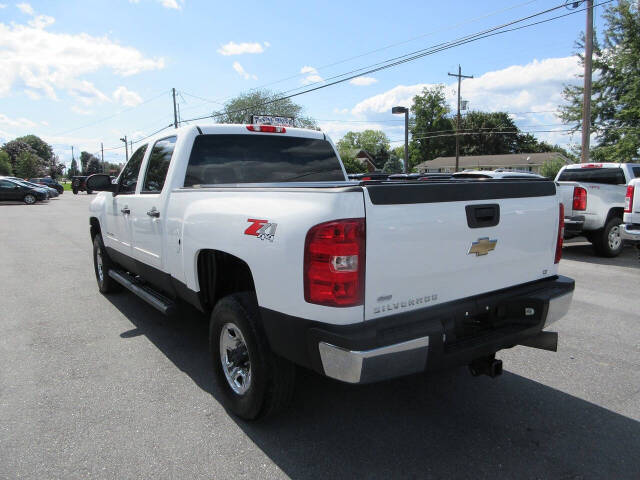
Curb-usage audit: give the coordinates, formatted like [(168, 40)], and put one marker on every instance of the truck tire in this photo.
[(102, 264), (75, 191), (607, 241), (30, 199), (253, 380), (89, 192)]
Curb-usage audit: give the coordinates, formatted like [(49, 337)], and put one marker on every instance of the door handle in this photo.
[(126, 210), (153, 212)]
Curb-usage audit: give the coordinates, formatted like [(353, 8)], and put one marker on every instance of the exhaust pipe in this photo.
[(486, 366)]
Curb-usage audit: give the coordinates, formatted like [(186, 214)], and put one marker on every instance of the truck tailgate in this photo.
[(434, 243)]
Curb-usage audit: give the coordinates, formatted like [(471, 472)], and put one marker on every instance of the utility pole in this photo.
[(460, 77), (175, 110), (102, 156), (586, 101), (126, 148)]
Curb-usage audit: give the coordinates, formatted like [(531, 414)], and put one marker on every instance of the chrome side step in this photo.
[(149, 295)]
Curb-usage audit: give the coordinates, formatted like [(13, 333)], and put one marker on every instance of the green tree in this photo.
[(393, 165), (550, 168), (263, 102), (28, 165), (351, 165), (73, 169), (94, 166), (615, 103), (86, 159), (5, 164), (39, 146), (375, 142), (14, 149), (431, 126)]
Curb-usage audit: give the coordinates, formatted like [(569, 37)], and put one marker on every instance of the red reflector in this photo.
[(628, 200), (579, 198), (560, 235), (366, 178), (334, 261), (266, 128), (591, 165)]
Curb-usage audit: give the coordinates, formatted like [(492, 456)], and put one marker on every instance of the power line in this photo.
[(410, 57)]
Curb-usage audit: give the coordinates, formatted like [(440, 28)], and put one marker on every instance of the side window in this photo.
[(129, 176), (5, 185), (636, 172), (158, 165)]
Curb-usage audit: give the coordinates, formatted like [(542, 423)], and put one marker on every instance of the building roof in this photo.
[(495, 161)]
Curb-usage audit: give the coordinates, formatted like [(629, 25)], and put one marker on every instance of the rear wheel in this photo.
[(102, 264), (30, 199), (607, 241), (75, 191), (89, 192), (254, 381)]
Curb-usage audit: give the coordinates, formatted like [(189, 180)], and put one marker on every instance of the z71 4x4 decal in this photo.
[(262, 229)]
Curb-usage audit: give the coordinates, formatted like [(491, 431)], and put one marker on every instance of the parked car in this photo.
[(79, 184), (18, 191), (51, 192), (593, 195), (365, 177), (630, 229), (49, 182), (257, 226)]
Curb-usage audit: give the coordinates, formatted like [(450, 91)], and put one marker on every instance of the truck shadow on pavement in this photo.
[(583, 252), (445, 425)]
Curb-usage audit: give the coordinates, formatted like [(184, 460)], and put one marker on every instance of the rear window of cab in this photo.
[(609, 176)]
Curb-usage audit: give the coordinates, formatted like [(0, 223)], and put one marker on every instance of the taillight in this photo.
[(334, 260), (628, 199), (560, 234), (579, 198), (266, 129)]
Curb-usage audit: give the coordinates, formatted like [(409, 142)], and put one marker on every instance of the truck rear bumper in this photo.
[(573, 225), (428, 339), (630, 232)]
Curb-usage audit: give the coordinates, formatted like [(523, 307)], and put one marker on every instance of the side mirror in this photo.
[(100, 182)]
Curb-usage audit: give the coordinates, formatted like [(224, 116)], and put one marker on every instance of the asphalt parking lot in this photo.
[(104, 387)]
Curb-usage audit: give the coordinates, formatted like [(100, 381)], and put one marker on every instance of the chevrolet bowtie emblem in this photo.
[(482, 246)]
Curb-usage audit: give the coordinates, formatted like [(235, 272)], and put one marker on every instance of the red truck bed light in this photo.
[(628, 199), (266, 128), (334, 263), (579, 198)]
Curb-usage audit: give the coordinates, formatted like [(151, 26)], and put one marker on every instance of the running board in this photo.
[(149, 295)]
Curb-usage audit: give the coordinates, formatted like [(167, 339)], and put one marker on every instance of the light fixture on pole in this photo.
[(405, 110)]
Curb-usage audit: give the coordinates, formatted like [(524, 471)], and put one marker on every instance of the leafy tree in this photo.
[(490, 138), (375, 142), (39, 146), (5, 164), (550, 168), (615, 104), (393, 165), (86, 159), (94, 166), (14, 148), (28, 165), (73, 169), (263, 102), (351, 165), (430, 117)]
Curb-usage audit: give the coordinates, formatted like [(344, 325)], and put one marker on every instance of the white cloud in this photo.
[(126, 97), (81, 111), (240, 69), (3, 5), (533, 87), (312, 76), (171, 4), (42, 62), (17, 122), (25, 8), (233, 48), (363, 81)]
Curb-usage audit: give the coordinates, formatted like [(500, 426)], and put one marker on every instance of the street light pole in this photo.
[(405, 110), (586, 101)]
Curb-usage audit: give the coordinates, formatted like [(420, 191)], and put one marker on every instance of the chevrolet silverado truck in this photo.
[(593, 195), (295, 265), (630, 229)]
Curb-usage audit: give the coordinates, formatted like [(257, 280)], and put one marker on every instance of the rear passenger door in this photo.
[(148, 207), (10, 191)]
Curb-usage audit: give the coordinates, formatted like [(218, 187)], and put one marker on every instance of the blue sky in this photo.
[(81, 72)]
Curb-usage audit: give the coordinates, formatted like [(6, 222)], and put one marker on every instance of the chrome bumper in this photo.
[(376, 364), (558, 308), (630, 232)]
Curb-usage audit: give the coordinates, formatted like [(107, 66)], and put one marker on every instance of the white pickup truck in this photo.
[(259, 227), (593, 195), (630, 229)]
